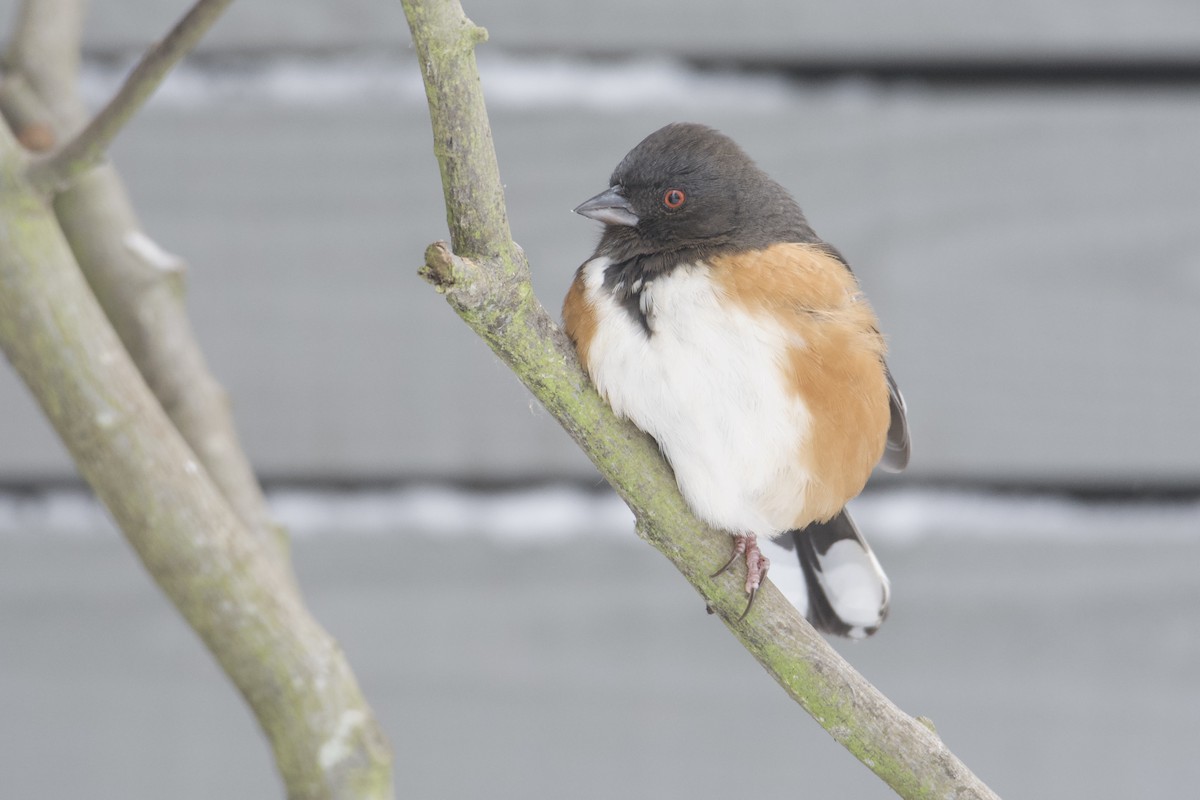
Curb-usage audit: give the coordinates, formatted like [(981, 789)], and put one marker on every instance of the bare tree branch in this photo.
[(234, 588), (487, 284), (87, 148), (139, 285), (224, 582)]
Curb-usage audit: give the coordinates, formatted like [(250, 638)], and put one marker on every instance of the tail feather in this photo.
[(839, 586)]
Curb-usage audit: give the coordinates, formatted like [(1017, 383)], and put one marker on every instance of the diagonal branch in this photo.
[(138, 284), (487, 283), (231, 590), (88, 148)]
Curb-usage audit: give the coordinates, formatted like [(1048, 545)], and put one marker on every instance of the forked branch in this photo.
[(234, 588), (88, 147), (138, 283)]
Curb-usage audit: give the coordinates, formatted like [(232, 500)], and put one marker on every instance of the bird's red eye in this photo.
[(674, 198)]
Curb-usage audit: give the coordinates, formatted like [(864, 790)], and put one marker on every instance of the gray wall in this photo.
[(951, 29), (1033, 249)]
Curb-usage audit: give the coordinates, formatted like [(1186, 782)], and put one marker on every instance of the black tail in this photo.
[(847, 591)]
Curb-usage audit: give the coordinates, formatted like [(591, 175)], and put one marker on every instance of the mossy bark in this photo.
[(485, 278)]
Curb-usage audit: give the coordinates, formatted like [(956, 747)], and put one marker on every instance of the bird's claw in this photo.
[(746, 545), (739, 548)]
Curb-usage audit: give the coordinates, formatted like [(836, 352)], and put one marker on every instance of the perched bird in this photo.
[(716, 320)]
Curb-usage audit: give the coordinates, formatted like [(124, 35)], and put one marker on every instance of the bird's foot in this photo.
[(745, 545)]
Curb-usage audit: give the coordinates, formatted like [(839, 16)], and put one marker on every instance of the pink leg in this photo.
[(745, 545)]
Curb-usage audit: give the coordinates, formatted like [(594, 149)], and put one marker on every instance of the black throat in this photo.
[(626, 279)]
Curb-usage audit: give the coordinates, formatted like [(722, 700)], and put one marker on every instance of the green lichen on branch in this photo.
[(476, 213), (507, 315)]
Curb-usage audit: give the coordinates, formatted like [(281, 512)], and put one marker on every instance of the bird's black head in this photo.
[(686, 192)]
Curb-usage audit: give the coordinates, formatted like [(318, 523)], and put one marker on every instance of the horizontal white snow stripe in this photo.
[(510, 82), (906, 514), (562, 513), (549, 513)]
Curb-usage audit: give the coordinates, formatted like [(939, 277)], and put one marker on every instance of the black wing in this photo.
[(895, 457)]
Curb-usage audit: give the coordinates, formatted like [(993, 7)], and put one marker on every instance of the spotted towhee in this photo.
[(713, 317)]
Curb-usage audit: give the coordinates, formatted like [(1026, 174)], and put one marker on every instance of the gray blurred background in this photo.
[(1017, 186)]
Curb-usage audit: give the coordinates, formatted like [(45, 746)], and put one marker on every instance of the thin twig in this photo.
[(470, 175), (89, 146)]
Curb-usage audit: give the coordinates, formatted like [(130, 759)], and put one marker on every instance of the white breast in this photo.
[(706, 384)]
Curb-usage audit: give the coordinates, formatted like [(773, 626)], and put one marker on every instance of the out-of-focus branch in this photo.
[(26, 114), (139, 284), (87, 148), (189, 512), (486, 282), (231, 590), (45, 52)]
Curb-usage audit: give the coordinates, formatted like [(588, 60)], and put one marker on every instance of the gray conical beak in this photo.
[(609, 207)]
